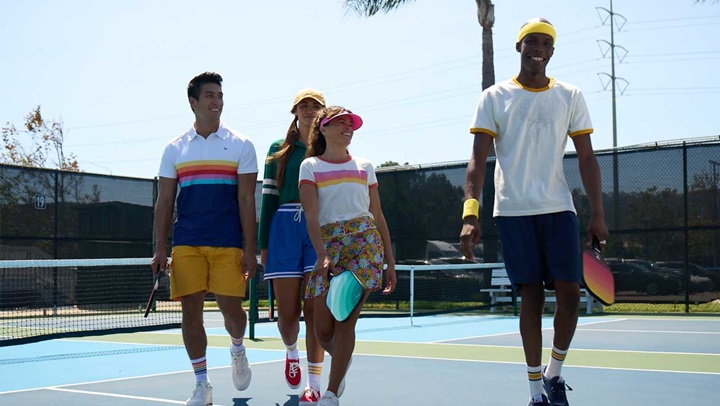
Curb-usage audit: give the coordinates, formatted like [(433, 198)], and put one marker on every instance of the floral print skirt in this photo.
[(353, 245)]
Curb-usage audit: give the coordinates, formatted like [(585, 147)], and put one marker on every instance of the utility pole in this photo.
[(714, 164), (611, 15)]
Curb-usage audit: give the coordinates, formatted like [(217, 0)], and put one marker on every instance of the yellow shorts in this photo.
[(210, 269)]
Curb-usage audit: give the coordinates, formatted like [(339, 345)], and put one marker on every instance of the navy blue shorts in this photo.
[(290, 251), (541, 249)]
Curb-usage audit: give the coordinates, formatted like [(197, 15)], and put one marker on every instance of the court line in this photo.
[(523, 363), (679, 317), (126, 379), (519, 347), (575, 349), (518, 332), (116, 395), (650, 331)]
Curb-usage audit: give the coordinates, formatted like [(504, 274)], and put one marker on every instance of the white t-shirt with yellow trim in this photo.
[(530, 128)]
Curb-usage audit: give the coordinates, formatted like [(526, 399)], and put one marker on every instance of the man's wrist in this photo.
[(471, 208)]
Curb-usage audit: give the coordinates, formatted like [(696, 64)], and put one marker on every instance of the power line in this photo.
[(671, 27), (673, 19)]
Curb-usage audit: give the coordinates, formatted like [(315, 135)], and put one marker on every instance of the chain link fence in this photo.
[(661, 203)]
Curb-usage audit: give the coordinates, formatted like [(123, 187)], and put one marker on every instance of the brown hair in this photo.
[(282, 156), (317, 139)]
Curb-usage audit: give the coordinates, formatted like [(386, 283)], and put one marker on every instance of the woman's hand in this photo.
[(324, 265), (390, 279)]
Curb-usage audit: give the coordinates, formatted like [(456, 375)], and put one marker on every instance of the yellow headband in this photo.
[(538, 27)]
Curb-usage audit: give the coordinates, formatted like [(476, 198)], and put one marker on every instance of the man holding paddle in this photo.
[(215, 169), (528, 119)]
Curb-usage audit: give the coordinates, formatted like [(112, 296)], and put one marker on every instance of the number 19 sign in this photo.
[(40, 202)]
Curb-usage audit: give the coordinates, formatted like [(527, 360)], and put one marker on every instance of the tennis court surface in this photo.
[(458, 359)]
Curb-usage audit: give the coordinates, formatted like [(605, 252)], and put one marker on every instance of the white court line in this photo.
[(712, 319), (649, 331), (115, 395), (519, 347), (126, 378), (517, 332), (523, 363)]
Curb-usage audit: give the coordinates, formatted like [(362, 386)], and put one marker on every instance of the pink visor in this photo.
[(356, 120)]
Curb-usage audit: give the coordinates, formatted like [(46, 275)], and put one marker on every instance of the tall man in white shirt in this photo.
[(529, 119)]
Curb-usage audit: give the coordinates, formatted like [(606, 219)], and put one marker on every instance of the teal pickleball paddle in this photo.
[(344, 295)]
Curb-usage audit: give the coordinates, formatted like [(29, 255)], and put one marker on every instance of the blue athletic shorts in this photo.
[(541, 249), (290, 251)]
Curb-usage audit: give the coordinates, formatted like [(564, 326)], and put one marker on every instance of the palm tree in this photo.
[(486, 18)]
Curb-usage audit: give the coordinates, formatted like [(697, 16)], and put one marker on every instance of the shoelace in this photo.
[(294, 366), (560, 387), (200, 387), (311, 393), (240, 364)]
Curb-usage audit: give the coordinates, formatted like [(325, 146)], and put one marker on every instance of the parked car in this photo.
[(631, 276), (699, 276)]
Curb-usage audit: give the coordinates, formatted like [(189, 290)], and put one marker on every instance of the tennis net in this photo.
[(42, 299)]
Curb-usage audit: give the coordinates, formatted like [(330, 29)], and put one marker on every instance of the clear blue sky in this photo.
[(115, 72)]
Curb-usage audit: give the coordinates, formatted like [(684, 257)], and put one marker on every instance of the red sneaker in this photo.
[(293, 372), (309, 397)]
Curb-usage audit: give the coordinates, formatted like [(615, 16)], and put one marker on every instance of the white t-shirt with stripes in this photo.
[(343, 187)]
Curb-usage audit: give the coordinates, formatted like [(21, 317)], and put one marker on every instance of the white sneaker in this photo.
[(341, 387), (241, 372), (201, 396), (328, 399)]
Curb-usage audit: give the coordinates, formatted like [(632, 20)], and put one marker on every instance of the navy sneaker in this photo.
[(543, 402), (555, 389)]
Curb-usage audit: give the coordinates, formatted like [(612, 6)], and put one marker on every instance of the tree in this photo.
[(388, 164), (40, 144), (486, 19), (485, 15)]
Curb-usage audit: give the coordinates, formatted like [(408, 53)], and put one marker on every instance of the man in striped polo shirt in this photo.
[(215, 169)]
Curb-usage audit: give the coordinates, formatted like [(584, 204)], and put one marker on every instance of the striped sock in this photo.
[(556, 362), (237, 345), (292, 351), (535, 378), (314, 371), (200, 367)]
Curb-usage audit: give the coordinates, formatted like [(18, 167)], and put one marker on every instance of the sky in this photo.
[(116, 72)]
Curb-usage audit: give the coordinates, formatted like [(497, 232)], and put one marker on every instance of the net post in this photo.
[(253, 306), (412, 292)]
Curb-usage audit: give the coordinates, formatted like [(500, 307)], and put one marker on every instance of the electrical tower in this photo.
[(610, 15)]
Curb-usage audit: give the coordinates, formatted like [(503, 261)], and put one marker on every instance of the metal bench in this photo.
[(501, 292)]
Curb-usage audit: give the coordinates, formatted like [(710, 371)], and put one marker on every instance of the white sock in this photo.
[(292, 351), (200, 368), (314, 372), (556, 362), (535, 379), (237, 345)]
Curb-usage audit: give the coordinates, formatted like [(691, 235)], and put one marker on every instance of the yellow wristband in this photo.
[(471, 207)]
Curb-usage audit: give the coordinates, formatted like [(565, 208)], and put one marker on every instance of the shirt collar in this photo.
[(222, 132)]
